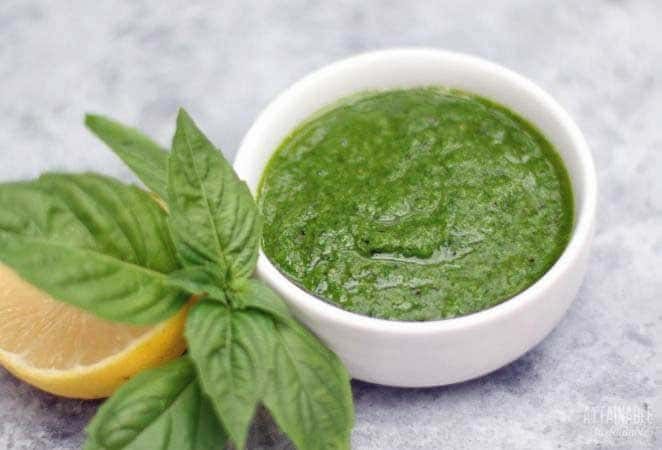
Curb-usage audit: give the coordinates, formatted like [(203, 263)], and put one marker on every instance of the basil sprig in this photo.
[(112, 250)]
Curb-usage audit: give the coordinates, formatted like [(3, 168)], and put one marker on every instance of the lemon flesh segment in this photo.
[(66, 351)]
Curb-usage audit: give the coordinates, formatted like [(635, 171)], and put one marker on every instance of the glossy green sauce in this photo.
[(415, 204)]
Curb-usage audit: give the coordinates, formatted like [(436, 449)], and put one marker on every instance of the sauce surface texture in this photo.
[(416, 204)]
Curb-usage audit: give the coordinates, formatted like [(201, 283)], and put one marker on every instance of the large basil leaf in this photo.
[(232, 350), (93, 242), (308, 393), (147, 159), (213, 217), (254, 294), (159, 409)]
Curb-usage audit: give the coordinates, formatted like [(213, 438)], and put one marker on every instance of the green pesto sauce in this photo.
[(415, 204)]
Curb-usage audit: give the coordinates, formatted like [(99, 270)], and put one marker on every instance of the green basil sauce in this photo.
[(416, 204)]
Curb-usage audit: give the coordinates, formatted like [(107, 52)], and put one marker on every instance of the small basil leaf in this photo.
[(254, 294), (93, 242), (162, 408), (308, 393), (213, 217), (147, 159), (231, 350), (205, 281)]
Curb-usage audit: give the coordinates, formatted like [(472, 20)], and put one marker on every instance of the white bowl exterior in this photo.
[(417, 354)]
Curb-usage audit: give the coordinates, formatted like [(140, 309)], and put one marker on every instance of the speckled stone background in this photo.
[(593, 383)]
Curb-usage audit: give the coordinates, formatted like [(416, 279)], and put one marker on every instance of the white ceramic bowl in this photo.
[(433, 353)]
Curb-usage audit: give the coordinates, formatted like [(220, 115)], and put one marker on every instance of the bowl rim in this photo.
[(580, 236)]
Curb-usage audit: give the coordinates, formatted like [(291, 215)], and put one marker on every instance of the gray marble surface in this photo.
[(588, 385)]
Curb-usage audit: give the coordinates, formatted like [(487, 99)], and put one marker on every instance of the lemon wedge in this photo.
[(66, 351)]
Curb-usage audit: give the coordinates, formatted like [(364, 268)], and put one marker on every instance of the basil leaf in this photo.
[(231, 351), (147, 159), (254, 294), (204, 281), (93, 242), (308, 394), (162, 408), (213, 217)]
